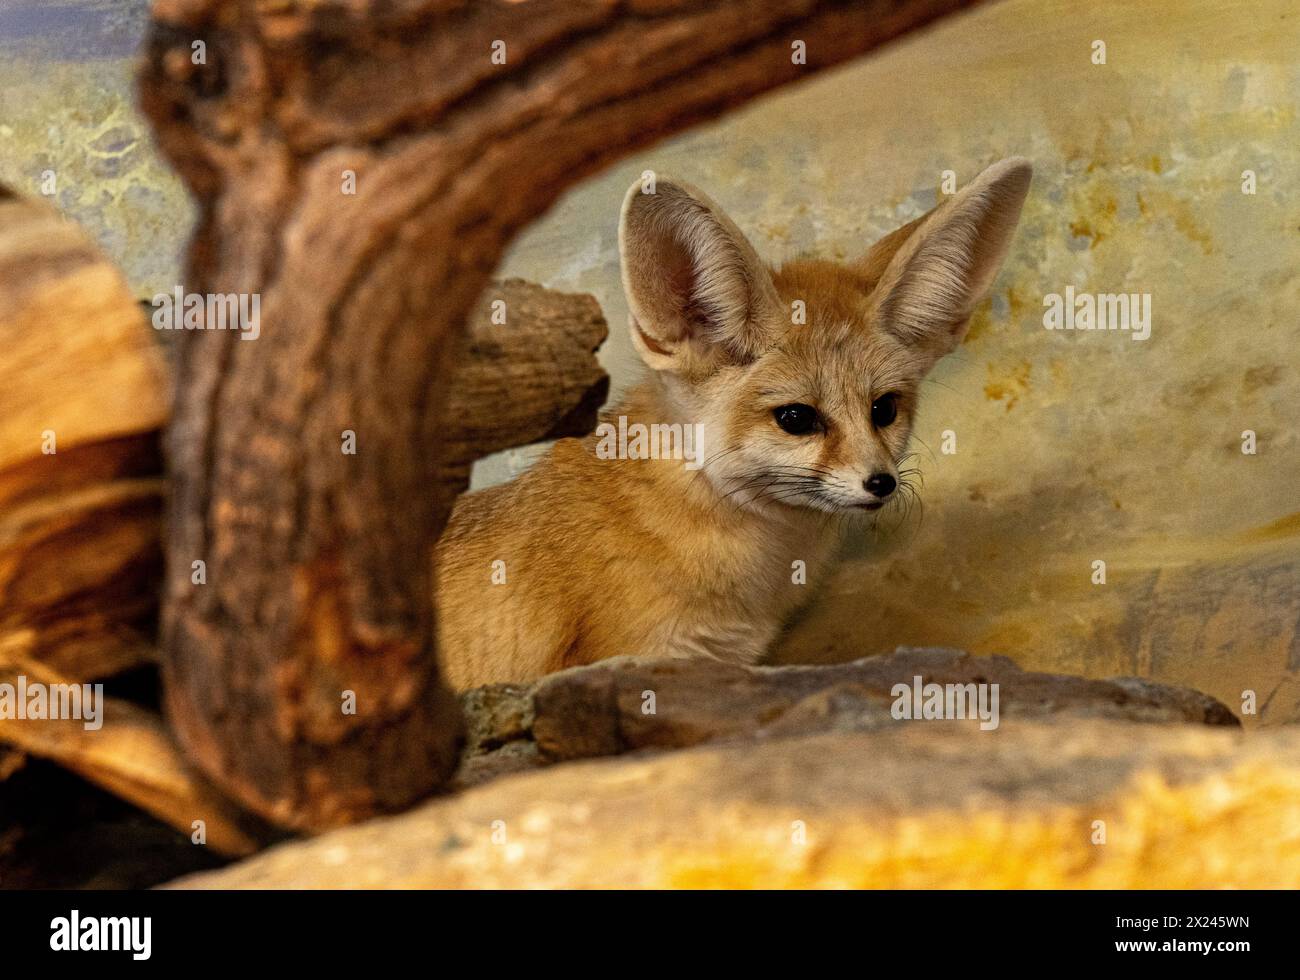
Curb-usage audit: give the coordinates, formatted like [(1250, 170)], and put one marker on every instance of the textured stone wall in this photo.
[(66, 105)]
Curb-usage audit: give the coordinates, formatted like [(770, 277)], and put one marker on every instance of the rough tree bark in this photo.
[(318, 577)]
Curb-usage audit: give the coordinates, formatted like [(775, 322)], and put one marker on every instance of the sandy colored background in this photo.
[(1070, 447)]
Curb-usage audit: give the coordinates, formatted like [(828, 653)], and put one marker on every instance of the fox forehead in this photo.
[(840, 352), (830, 291)]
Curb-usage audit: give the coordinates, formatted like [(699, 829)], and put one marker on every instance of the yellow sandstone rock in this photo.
[(920, 804)]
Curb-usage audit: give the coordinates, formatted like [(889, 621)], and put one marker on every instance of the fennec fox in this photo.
[(585, 557)]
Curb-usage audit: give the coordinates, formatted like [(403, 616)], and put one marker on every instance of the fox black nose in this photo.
[(881, 484)]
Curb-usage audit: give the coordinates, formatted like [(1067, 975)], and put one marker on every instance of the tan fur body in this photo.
[(603, 557), (610, 557)]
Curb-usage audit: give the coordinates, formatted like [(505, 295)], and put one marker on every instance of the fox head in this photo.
[(806, 377)]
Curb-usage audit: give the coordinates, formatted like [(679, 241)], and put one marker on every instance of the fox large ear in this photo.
[(931, 274), (698, 293)]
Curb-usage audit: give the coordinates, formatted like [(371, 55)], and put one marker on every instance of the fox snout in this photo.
[(868, 485)]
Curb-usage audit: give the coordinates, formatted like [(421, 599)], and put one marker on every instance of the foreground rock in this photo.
[(918, 804), (803, 776), (626, 704)]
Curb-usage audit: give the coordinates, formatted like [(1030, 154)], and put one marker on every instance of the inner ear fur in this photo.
[(695, 286), (928, 276)]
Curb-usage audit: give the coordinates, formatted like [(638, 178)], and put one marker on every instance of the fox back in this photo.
[(703, 511)]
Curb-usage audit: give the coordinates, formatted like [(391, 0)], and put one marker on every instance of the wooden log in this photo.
[(11, 761), (133, 756), (360, 167), (541, 351), (83, 394)]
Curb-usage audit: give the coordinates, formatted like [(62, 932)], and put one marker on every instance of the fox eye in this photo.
[(884, 410), (798, 420)]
